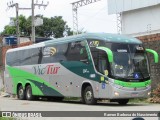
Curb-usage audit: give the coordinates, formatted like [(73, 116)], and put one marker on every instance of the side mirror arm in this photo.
[(108, 51), (156, 57)]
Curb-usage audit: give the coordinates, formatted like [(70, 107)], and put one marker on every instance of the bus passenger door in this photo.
[(102, 66)]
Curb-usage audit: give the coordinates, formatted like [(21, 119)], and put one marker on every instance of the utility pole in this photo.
[(16, 5), (76, 5), (33, 26), (33, 18), (11, 4), (17, 20)]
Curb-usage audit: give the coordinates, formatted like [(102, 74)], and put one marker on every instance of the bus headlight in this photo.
[(116, 93)]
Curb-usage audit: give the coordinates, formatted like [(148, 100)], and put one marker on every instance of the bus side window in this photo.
[(61, 50), (40, 55), (25, 57), (54, 53), (76, 52), (12, 59), (35, 55)]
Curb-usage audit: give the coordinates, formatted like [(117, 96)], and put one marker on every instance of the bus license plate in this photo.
[(134, 94)]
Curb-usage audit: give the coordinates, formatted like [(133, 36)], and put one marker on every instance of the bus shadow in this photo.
[(78, 102), (118, 105), (98, 103)]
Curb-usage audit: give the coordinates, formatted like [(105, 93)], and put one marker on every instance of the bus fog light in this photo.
[(149, 93), (116, 93)]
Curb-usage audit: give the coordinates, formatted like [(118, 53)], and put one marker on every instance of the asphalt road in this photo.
[(12, 104)]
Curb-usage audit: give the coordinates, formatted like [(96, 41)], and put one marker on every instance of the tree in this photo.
[(11, 30), (54, 26), (23, 25)]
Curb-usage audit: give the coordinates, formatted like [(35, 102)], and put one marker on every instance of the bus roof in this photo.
[(108, 37), (96, 36)]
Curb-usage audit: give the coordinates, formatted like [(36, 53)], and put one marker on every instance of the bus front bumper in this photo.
[(119, 92)]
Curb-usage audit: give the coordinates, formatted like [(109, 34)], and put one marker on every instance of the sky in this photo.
[(91, 18)]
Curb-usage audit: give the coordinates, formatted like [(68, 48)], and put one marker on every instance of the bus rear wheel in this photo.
[(88, 96), (123, 101), (21, 93), (29, 95)]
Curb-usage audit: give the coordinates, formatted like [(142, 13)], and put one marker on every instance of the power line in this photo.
[(90, 17), (75, 6)]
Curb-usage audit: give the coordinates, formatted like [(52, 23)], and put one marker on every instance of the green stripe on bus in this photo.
[(23, 77), (133, 84)]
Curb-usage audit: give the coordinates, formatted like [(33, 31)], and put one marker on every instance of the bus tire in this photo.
[(88, 96), (29, 95), (21, 93), (123, 101)]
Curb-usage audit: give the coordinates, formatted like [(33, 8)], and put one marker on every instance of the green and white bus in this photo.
[(92, 66)]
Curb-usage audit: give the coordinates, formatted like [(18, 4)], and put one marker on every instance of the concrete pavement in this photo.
[(13, 104)]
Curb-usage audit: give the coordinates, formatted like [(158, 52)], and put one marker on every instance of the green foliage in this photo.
[(138, 100), (7, 118), (9, 30), (2, 90), (54, 26)]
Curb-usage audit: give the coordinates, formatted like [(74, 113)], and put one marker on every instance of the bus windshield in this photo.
[(129, 61)]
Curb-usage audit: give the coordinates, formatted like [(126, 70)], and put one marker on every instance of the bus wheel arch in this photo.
[(87, 94), (20, 92), (28, 90)]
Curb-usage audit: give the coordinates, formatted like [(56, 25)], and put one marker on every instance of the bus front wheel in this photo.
[(88, 96), (21, 93), (29, 95)]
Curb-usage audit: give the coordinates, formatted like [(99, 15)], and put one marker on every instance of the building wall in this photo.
[(117, 6), (142, 21), (153, 42)]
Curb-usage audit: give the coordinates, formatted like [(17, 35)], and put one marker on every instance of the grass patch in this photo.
[(7, 118), (139, 100), (2, 90)]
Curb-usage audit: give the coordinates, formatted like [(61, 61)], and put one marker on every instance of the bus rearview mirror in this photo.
[(108, 51), (156, 57)]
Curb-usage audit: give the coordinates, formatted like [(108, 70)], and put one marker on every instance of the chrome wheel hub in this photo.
[(88, 95)]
